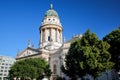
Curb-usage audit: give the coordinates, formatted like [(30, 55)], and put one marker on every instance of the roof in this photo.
[(51, 12)]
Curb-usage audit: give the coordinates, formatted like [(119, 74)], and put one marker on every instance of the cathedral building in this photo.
[(51, 46)]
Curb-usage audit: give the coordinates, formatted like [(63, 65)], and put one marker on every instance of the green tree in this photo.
[(87, 55), (30, 68), (113, 38)]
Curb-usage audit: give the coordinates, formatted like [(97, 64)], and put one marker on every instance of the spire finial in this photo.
[(64, 39), (51, 6), (29, 43), (18, 52)]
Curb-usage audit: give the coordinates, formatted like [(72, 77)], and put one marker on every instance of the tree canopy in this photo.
[(87, 55), (30, 68), (113, 38)]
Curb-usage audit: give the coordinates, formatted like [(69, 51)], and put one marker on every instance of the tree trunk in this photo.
[(82, 78), (74, 78), (95, 78)]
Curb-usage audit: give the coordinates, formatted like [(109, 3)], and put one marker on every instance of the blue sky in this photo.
[(20, 20)]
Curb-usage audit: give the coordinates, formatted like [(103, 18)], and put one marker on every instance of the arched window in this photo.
[(49, 33), (48, 38), (54, 69)]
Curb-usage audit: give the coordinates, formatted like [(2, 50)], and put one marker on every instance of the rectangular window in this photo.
[(48, 38), (5, 74), (1, 70), (5, 71), (2, 67), (5, 67), (54, 69), (3, 60)]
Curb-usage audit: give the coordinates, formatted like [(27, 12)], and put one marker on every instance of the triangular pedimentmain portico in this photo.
[(28, 52)]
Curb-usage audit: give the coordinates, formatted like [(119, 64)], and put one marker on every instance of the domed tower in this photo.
[(51, 30)]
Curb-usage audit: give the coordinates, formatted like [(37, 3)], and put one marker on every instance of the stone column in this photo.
[(61, 35), (45, 35), (51, 34), (56, 36), (42, 35), (41, 32)]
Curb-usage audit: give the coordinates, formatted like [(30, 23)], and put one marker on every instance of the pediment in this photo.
[(27, 52)]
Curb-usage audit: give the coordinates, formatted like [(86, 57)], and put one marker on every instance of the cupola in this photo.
[(51, 30)]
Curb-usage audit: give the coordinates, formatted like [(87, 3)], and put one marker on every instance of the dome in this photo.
[(51, 12)]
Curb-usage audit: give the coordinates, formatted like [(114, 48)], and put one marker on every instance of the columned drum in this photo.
[(51, 31)]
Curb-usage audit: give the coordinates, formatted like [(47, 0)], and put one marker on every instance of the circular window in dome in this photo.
[(49, 19), (53, 19)]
